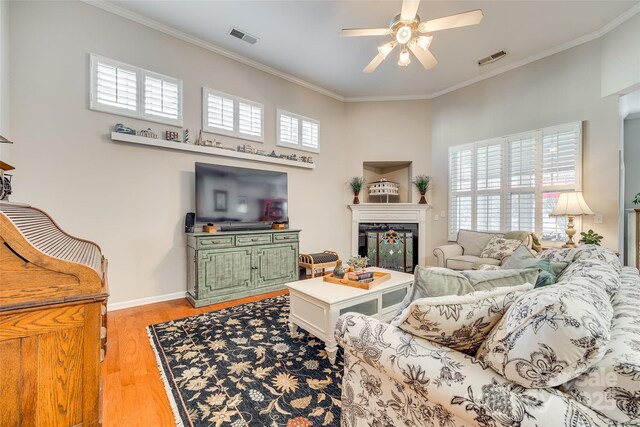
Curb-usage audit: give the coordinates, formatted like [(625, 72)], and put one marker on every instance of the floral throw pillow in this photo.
[(550, 335), (499, 247), (458, 322)]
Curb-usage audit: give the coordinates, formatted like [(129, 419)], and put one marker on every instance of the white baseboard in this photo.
[(144, 301)]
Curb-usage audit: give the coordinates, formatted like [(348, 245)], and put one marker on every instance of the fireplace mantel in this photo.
[(391, 212)]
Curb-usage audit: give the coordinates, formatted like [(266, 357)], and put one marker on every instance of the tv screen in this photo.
[(227, 194)]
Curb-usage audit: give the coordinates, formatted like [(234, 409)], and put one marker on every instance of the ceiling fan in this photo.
[(406, 31)]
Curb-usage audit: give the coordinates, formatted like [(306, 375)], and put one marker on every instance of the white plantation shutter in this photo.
[(298, 132), (250, 119), (310, 134), (126, 90), (229, 115), (513, 183), (162, 97), (488, 186), (219, 113), (288, 129), (560, 155), (115, 85), (460, 185)]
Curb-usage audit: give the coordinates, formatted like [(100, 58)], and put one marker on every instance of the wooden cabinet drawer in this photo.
[(253, 239), (216, 242), (285, 237)]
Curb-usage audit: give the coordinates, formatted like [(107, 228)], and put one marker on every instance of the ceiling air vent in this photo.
[(239, 34), (492, 58)]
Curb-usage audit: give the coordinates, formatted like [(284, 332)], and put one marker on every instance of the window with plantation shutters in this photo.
[(131, 91), (162, 97), (513, 182), (230, 115), (298, 132)]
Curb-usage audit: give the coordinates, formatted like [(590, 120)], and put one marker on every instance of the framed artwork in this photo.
[(220, 200)]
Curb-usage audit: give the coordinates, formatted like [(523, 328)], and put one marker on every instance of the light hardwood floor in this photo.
[(133, 393)]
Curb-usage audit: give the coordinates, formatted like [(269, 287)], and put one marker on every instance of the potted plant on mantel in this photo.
[(422, 183), (356, 184)]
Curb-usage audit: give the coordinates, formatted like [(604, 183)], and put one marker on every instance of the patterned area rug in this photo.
[(242, 367)]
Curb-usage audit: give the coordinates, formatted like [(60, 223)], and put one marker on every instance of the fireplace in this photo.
[(406, 217), (393, 246)]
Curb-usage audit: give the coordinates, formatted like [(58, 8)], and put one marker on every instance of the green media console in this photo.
[(228, 265)]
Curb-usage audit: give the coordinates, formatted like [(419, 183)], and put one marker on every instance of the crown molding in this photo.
[(132, 16)]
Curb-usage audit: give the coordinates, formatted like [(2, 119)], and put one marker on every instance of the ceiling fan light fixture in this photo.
[(424, 42), (405, 58), (385, 49), (403, 35)]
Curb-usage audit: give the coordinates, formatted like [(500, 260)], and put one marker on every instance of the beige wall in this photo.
[(559, 89), (132, 199), (621, 58), (631, 159)]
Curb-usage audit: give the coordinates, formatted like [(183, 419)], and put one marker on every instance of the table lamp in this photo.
[(571, 205)]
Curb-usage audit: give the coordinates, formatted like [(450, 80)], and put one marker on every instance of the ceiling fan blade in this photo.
[(425, 57), (472, 17), (358, 32), (373, 64), (409, 10)]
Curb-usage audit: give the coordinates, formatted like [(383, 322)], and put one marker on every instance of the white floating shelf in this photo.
[(153, 142)]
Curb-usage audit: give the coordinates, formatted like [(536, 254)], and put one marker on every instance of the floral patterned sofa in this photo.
[(393, 378)]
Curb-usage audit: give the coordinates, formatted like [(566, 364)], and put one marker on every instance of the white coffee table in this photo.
[(316, 304)]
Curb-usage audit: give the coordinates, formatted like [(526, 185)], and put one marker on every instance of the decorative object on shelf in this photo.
[(172, 136), (571, 205), (384, 188), (215, 150), (636, 199), (199, 139), (356, 184), (338, 271), (590, 238), (209, 228), (358, 263), (422, 183), (4, 140), (148, 133), (186, 137), (5, 180), (120, 128)]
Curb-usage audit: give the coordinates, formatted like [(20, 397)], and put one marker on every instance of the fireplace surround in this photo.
[(391, 213)]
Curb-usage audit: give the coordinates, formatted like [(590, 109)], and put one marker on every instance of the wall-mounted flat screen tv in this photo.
[(235, 196)]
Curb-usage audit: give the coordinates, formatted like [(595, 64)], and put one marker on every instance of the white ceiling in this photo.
[(301, 38)]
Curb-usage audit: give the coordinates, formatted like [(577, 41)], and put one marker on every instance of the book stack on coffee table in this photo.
[(362, 277)]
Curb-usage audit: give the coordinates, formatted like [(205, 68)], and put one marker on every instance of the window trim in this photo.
[(538, 189), (140, 111), (235, 133), (300, 118)]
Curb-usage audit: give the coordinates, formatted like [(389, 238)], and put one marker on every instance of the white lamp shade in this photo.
[(572, 204)]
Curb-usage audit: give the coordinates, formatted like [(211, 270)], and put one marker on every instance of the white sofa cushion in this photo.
[(550, 335), (462, 262), (473, 242), (460, 322)]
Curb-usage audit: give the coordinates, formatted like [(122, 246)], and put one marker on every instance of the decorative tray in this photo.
[(378, 278)]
